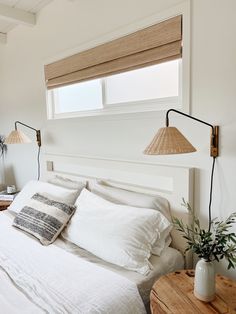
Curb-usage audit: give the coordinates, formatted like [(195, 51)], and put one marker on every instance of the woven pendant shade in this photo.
[(169, 140), (17, 137)]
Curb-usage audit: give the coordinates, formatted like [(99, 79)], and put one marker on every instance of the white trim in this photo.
[(96, 157), (146, 105), (160, 102), (3, 38), (186, 58), (152, 105), (17, 15), (104, 94), (182, 8), (180, 87)]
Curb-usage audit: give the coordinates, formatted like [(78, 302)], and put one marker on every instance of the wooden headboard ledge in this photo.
[(171, 182)]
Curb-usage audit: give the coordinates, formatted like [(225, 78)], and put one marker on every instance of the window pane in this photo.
[(78, 97), (157, 81)]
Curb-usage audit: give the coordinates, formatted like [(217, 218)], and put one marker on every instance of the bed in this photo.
[(64, 278)]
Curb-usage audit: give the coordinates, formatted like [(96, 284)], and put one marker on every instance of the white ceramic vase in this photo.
[(204, 282)]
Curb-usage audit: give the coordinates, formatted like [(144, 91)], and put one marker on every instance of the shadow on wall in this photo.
[(9, 173), (3, 150), (2, 172)]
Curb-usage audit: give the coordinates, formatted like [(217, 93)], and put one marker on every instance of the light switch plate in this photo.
[(49, 165)]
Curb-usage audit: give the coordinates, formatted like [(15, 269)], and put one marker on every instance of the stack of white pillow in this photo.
[(118, 226)]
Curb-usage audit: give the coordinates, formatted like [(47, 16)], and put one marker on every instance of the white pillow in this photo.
[(125, 197), (67, 183), (122, 196), (120, 234), (32, 187)]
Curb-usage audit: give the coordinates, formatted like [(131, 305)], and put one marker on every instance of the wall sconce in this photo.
[(169, 140), (18, 137)]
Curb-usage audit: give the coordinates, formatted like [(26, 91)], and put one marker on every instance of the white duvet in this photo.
[(59, 282)]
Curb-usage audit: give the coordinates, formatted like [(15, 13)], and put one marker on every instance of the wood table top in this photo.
[(173, 293), (4, 204)]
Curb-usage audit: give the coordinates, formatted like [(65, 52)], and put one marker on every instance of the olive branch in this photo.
[(215, 244)]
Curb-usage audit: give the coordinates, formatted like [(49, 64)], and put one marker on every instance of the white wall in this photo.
[(64, 25)]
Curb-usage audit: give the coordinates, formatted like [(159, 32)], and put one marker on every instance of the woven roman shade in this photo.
[(155, 44)]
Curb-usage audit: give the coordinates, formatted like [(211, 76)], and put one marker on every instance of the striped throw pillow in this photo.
[(43, 218)]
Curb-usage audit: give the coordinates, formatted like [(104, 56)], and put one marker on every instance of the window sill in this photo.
[(148, 106)]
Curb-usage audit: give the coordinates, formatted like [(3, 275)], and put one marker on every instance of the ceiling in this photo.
[(15, 12)]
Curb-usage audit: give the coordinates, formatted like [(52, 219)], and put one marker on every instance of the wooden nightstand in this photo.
[(4, 204), (173, 293)]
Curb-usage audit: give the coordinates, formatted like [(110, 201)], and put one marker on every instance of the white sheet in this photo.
[(169, 261), (59, 282), (12, 300)]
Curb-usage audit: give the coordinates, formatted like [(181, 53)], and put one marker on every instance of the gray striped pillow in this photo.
[(43, 218)]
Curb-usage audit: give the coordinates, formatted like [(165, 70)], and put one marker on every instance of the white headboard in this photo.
[(171, 182)]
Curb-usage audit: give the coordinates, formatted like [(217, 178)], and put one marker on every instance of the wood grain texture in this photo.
[(173, 293), (4, 204)]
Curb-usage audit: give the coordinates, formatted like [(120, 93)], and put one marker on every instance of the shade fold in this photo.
[(154, 44)]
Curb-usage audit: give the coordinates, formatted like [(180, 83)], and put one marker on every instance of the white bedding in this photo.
[(57, 281), (12, 300), (169, 261)]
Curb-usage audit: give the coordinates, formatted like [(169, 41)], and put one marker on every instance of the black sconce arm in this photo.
[(214, 149), (38, 133)]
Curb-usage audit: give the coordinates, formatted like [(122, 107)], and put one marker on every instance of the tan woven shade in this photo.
[(155, 44), (169, 140), (17, 137)]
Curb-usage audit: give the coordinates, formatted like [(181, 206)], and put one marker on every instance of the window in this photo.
[(153, 82), (78, 97), (150, 88), (139, 72)]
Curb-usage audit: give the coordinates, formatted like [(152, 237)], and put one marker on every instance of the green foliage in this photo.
[(215, 244)]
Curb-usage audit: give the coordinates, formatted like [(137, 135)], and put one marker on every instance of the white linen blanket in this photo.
[(59, 282)]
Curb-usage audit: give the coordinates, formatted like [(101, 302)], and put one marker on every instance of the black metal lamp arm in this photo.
[(186, 115), (214, 149), (38, 133)]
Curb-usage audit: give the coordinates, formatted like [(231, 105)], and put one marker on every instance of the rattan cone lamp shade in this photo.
[(169, 140), (17, 137)]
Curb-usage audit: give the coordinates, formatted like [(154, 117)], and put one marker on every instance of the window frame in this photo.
[(181, 102), (155, 104)]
